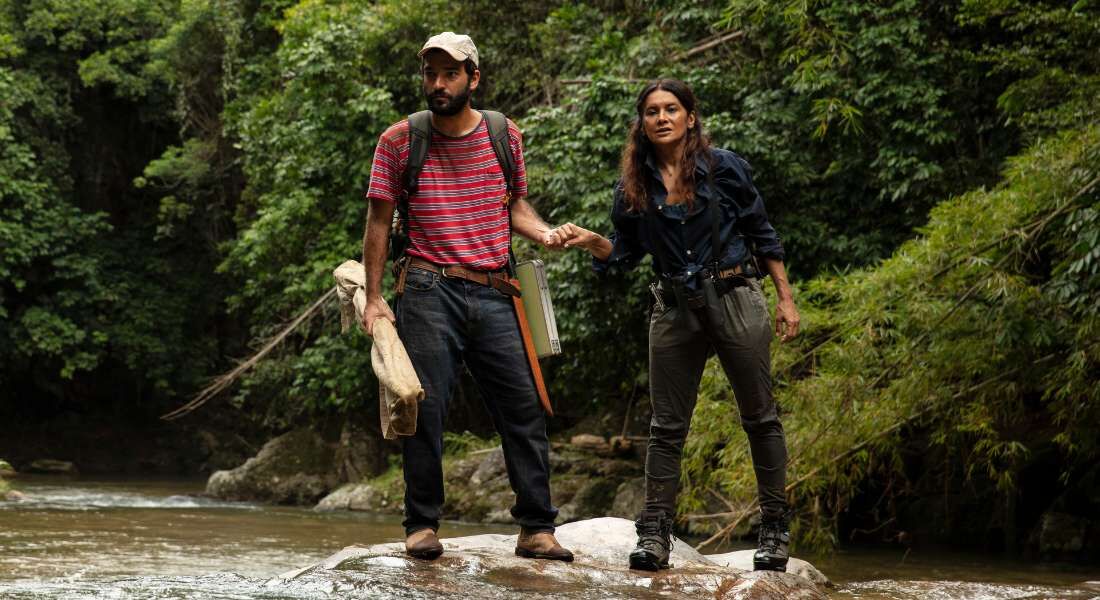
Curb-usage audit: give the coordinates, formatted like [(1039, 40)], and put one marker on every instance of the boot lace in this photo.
[(771, 536), (655, 535)]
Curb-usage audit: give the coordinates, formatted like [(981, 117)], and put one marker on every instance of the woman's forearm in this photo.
[(600, 247), (778, 274)]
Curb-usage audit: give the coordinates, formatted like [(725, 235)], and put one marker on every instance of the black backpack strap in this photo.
[(502, 145), (497, 124), (717, 247), (420, 138)]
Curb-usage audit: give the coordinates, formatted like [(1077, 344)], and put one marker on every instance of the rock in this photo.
[(593, 499), (621, 446), (1063, 536), (221, 450), (491, 467), (13, 496), (362, 497), (6, 470), (50, 466), (361, 453), (484, 566), (742, 559), (294, 468), (589, 441), (629, 499), (477, 488)]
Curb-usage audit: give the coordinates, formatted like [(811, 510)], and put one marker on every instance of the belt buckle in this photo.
[(443, 271)]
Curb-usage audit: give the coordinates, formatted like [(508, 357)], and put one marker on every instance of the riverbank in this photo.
[(588, 479)]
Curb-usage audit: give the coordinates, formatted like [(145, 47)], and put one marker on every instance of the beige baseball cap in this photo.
[(460, 47)]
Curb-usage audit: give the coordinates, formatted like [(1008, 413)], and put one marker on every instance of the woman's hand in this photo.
[(786, 320), (574, 236)]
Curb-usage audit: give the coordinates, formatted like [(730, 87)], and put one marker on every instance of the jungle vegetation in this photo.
[(178, 178)]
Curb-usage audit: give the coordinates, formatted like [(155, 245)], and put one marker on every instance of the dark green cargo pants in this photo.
[(677, 355)]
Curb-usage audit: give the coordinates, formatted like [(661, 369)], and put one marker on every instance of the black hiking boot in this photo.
[(775, 536), (654, 541)]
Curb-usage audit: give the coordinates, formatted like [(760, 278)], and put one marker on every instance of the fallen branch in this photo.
[(709, 43), (222, 382)]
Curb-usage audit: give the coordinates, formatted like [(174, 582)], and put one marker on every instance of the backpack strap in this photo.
[(420, 137), (502, 145)]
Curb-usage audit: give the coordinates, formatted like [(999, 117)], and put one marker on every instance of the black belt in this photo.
[(733, 278)]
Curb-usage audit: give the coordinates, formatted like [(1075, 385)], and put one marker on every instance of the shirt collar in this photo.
[(701, 166)]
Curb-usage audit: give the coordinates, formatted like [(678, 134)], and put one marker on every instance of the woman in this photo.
[(695, 209)]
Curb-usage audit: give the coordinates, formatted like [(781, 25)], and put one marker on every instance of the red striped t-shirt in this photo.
[(457, 215)]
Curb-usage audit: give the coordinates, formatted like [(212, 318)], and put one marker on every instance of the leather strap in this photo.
[(497, 280), (730, 272), (532, 356)]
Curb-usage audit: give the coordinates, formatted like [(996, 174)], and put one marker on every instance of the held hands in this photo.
[(570, 236), (376, 309), (786, 320)]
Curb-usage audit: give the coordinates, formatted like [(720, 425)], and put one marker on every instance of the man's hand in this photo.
[(376, 309), (573, 236), (786, 320), (553, 239)]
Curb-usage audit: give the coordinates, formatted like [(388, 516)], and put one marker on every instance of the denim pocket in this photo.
[(420, 280)]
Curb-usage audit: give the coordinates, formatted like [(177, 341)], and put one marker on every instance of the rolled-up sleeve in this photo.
[(626, 244), (735, 175)]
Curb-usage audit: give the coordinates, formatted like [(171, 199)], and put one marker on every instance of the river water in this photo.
[(81, 539)]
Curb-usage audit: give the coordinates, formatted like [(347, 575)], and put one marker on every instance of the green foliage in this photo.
[(51, 282), (181, 177), (87, 289), (1049, 50), (980, 334), (458, 445), (972, 332), (572, 158)]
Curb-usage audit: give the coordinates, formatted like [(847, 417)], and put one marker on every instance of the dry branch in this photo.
[(709, 43), (222, 382)]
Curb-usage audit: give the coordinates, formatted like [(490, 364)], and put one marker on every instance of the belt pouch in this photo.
[(713, 309), (685, 315), (400, 271)]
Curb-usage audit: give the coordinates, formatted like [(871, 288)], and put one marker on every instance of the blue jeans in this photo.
[(443, 323)]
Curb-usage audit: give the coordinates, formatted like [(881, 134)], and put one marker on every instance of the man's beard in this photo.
[(453, 106)]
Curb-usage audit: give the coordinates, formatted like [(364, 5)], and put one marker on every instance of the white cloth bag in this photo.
[(399, 389)]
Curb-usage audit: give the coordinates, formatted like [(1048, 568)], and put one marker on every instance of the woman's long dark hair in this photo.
[(638, 147)]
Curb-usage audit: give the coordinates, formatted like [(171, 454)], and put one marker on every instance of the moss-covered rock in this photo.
[(295, 468), (582, 485)]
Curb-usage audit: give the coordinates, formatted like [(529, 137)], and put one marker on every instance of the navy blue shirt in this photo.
[(683, 235)]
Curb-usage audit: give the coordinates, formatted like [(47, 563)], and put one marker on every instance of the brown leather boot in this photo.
[(541, 544), (423, 543)]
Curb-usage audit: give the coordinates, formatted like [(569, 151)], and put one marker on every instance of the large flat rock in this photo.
[(484, 567)]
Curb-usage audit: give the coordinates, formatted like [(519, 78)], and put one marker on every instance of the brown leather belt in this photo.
[(497, 280)]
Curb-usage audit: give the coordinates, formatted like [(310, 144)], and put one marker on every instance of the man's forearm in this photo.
[(526, 222), (778, 274), (376, 240)]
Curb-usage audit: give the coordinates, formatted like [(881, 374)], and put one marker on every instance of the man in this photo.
[(453, 302)]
